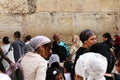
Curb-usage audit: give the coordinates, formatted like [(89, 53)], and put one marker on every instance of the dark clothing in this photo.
[(80, 51), (61, 43), (104, 50), (115, 76), (60, 51), (110, 43), (18, 47), (117, 46), (117, 50), (101, 48)]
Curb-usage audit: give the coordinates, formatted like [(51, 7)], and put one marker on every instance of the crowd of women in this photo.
[(43, 59)]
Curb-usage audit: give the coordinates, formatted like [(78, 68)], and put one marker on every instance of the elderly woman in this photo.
[(91, 66), (34, 63)]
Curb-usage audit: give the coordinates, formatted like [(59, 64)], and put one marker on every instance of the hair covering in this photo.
[(37, 41), (53, 58), (117, 40), (91, 66), (85, 34)]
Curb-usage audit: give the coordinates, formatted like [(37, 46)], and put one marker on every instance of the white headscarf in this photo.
[(53, 58), (91, 66), (37, 41)]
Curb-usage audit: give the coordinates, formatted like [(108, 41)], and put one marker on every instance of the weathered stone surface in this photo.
[(59, 5), (76, 5), (9, 24), (38, 24), (117, 27), (84, 21), (92, 5), (105, 23), (67, 17), (64, 24), (107, 5), (100, 23), (117, 5), (17, 6)]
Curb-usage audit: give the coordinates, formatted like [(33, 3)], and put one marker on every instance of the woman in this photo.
[(76, 43), (108, 40), (8, 51), (34, 63), (4, 76), (88, 39)]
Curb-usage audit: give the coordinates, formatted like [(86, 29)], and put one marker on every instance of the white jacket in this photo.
[(34, 66), (10, 55)]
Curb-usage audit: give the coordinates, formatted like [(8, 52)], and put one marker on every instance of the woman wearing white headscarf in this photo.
[(91, 66), (53, 58), (34, 63)]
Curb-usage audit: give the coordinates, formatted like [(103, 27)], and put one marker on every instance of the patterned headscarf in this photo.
[(91, 66), (37, 41)]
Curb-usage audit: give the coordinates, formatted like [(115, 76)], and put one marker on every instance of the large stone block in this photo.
[(64, 24), (53, 5), (17, 6), (84, 21), (105, 23), (117, 6), (59, 5), (38, 24), (100, 23), (107, 5), (76, 5), (9, 24), (92, 5)]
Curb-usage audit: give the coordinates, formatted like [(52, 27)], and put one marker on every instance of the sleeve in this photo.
[(41, 71), (79, 68), (17, 51)]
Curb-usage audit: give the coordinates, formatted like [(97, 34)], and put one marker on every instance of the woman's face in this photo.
[(104, 39), (46, 51), (117, 67), (91, 41), (59, 77)]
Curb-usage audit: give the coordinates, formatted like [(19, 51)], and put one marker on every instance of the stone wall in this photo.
[(66, 17)]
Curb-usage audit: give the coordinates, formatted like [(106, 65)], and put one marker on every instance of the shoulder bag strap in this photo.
[(10, 48)]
